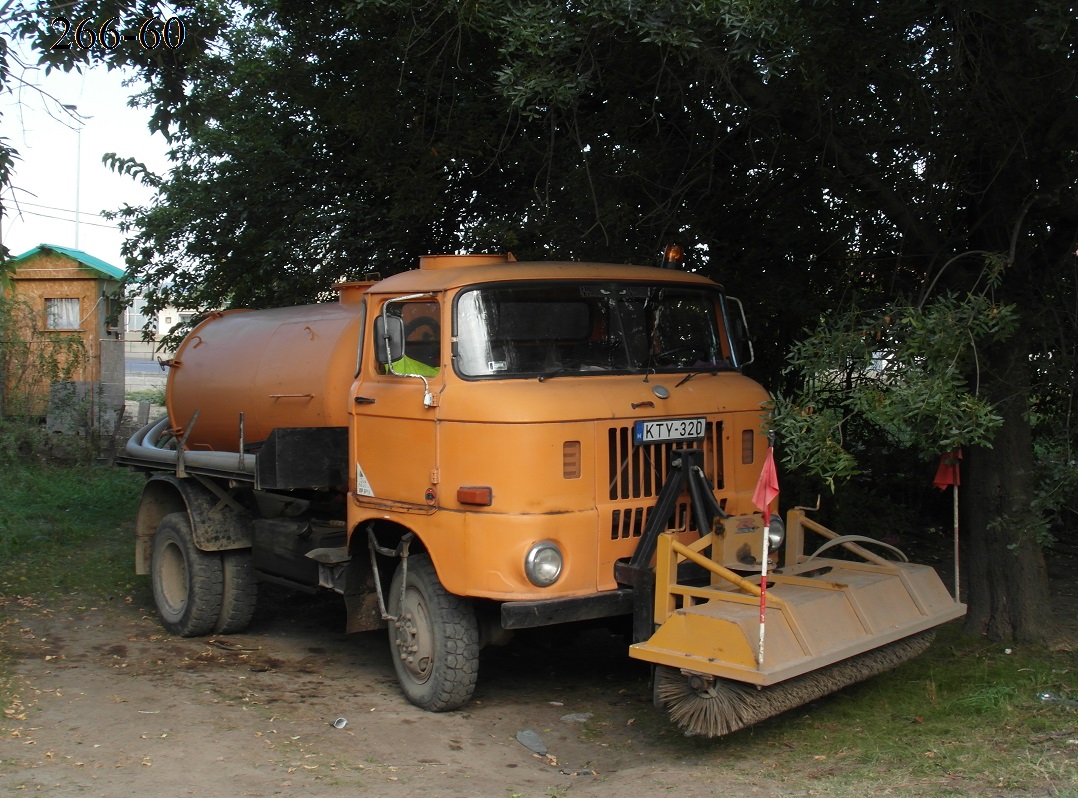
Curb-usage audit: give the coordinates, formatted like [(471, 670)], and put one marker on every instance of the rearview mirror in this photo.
[(388, 338)]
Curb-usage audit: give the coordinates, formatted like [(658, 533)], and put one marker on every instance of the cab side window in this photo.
[(422, 332)]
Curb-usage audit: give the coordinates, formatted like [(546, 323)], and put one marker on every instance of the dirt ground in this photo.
[(109, 705)]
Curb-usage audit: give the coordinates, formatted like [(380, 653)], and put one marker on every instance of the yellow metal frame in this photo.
[(818, 610)]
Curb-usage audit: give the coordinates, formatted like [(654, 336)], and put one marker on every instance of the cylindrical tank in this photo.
[(286, 367)]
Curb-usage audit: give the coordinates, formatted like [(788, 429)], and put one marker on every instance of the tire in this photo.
[(187, 582), (435, 641), (239, 593)]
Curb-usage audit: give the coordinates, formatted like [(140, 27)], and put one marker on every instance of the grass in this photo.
[(155, 396), (965, 719), (66, 529)]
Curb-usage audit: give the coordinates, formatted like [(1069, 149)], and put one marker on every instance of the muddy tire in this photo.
[(239, 593), (187, 582), (435, 641)]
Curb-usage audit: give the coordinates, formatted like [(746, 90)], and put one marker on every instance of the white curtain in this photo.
[(62, 314)]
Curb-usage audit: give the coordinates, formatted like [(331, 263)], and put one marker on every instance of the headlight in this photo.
[(543, 563), (776, 532)]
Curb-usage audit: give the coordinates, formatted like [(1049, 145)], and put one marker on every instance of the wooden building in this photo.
[(70, 295)]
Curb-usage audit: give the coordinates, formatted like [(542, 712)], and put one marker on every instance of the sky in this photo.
[(40, 205)]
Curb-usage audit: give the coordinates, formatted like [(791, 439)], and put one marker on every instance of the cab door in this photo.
[(394, 410)]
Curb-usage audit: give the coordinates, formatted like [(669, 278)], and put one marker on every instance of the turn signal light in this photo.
[(482, 496)]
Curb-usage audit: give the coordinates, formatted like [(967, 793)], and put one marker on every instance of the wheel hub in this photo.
[(174, 577), (415, 637)]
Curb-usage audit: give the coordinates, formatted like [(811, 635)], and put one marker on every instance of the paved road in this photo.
[(138, 366), (143, 375)]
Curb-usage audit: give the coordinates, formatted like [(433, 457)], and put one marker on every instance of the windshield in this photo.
[(553, 328)]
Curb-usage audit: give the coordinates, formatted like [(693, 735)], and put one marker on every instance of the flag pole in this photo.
[(763, 589), (767, 490), (949, 474), (956, 594)]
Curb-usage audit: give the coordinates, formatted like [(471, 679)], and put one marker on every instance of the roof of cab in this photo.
[(449, 277)]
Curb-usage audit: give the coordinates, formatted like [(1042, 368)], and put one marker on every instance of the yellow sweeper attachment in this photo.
[(829, 622)]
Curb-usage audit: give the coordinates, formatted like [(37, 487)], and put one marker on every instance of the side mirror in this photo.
[(742, 339), (388, 338)]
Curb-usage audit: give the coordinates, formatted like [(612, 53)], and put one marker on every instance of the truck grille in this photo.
[(636, 475)]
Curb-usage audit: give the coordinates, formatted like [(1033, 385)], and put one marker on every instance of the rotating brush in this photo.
[(714, 707)]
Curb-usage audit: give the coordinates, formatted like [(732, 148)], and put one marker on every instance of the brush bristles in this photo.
[(727, 705)]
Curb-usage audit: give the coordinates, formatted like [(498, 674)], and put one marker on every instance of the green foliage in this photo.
[(397, 130), (1056, 479), (907, 374), (546, 70), (136, 170), (292, 174), (31, 359)]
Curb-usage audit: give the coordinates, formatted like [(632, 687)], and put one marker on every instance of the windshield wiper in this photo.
[(554, 373), (715, 369)]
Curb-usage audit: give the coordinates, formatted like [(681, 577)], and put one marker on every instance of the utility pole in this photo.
[(74, 109)]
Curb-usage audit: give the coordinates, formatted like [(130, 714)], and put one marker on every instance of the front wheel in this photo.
[(187, 582), (435, 640)]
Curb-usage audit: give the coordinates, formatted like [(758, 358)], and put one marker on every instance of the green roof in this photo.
[(98, 265)]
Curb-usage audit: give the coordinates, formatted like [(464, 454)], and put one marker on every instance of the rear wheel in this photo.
[(239, 593), (187, 582), (435, 639)]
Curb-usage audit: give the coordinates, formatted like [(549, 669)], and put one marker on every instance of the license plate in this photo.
[(670, 429)]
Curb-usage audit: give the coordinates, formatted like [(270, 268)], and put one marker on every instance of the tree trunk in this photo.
[(1005, 574)]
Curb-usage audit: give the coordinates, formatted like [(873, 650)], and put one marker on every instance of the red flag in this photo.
[(767, 489), (948, 472)]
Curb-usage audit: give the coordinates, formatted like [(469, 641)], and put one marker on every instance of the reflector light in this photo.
[(482, 496)]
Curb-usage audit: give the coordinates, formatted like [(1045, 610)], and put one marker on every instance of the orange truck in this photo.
[(482, 445)]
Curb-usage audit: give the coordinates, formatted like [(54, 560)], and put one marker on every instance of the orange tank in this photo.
[(285, 367)]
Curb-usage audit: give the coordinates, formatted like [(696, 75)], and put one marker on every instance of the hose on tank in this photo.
[(147, 443)]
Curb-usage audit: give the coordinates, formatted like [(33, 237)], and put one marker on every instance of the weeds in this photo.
[(963, 719), (65, 529), (155, 396)]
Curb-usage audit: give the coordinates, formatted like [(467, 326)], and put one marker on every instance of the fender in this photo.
[(217, 524)]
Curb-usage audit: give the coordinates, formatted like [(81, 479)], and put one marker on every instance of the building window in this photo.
[(62, 314), (136, 315)]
